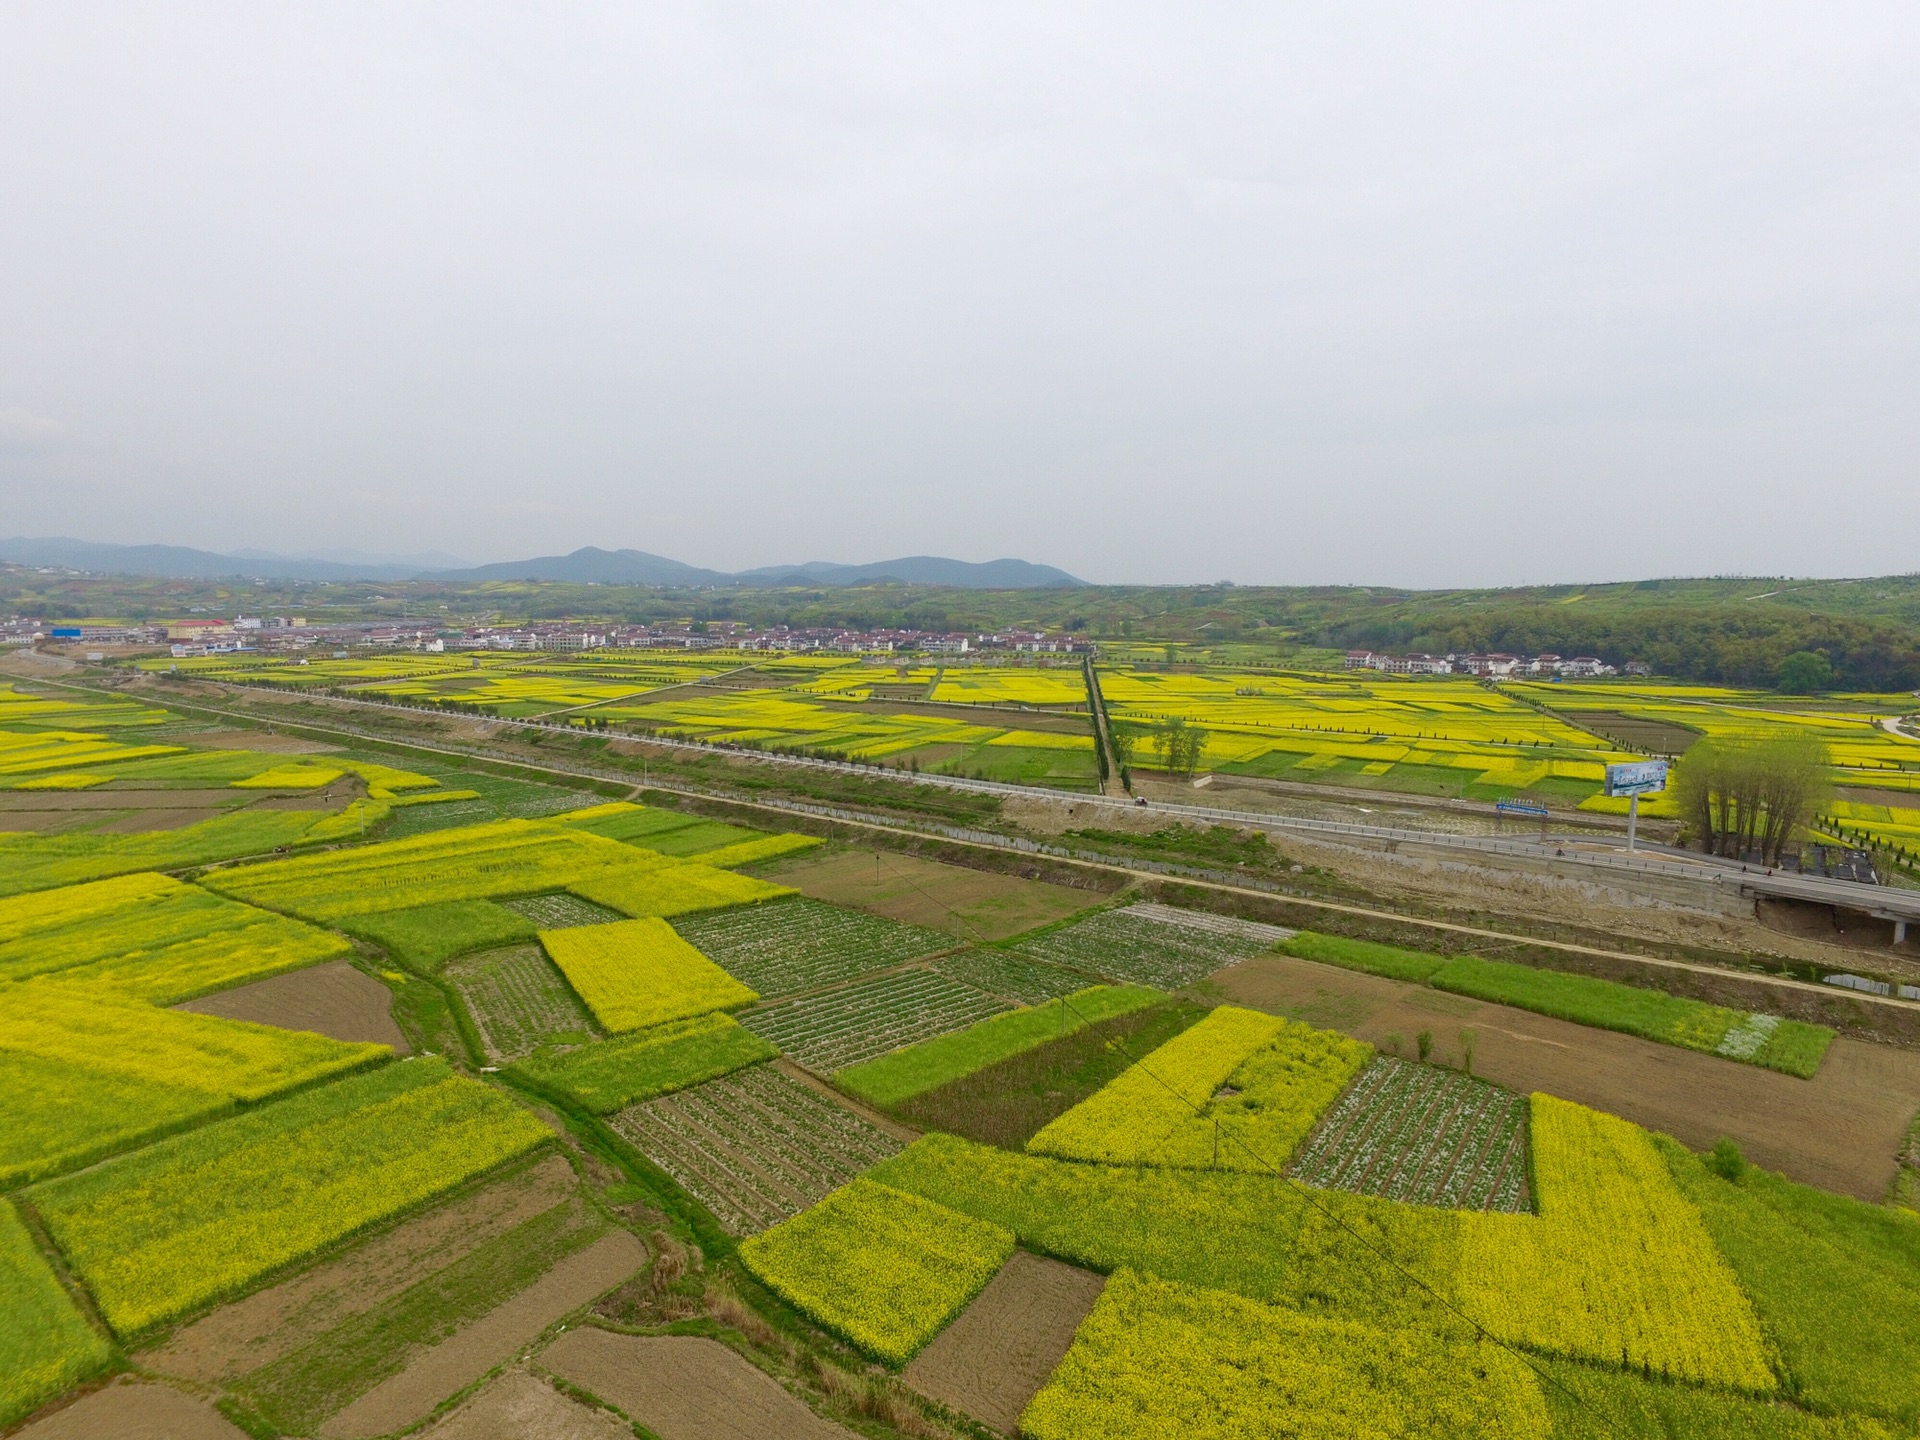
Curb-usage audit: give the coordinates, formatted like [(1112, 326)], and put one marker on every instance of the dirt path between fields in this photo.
[(683, 1387), (261, 1328), (131, 1410), (468, 1354), (332, 999), (992, 1360), (520, 1406), (1839, 1130)]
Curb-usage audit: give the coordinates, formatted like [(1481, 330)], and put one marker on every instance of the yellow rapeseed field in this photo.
[(1132, 1119), (639, 972), (1158, 1359), (1617, 1267), (883, 1269)]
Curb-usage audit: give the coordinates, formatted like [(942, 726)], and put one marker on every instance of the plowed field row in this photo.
[(754, 1147), (1425, 1136), (838, 1028)]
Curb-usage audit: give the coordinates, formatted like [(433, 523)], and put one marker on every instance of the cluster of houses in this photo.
[(1583, 667), (292, 634)]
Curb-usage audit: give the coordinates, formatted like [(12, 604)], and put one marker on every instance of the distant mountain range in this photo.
[(589, 565)]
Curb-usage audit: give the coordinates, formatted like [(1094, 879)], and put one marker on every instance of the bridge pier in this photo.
[(1899, 932)]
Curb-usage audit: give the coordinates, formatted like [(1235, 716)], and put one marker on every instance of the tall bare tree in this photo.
[(1741, 796), (1181, 745)]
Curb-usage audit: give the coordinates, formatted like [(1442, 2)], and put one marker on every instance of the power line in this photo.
[(1305, 1194)]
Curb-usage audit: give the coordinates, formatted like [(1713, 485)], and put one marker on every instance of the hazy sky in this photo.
[(1272, 292)]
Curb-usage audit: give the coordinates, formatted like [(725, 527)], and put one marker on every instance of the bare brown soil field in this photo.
[(114, 797), (138, 822), (519, 1406), (468, 1354), (1839, 1130), (131, 1410), (333, 999), (261, 1328), (257, 740), (1848, 931), (992, 1360), (972, 904), (1660, 736), (683, 1387), (1905, 799), (39, 822), (334, 797)]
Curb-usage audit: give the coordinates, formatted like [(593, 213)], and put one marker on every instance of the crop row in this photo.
[(1141, 948), (560, 910), (1133, 1119), (754, 1146), (1423, 1135), (1010, 974), (45, 1345), (41, 862), (1252, 931), (837, 1028), (519, 1002), (802, 944)]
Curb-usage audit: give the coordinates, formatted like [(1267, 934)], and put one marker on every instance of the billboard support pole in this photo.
[(1633, 820)]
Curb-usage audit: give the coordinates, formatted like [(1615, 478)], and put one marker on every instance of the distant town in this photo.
[(292, 634), (1579, 667)]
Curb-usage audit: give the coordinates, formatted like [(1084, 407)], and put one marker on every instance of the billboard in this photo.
[(1637, 777)]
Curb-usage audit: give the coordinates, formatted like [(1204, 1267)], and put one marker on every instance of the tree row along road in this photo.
[(986, 841)]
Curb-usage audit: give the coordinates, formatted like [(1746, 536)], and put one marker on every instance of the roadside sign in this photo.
[(1637, 777)]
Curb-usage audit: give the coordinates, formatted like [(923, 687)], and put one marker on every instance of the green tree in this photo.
[(1742, 796), (1805, 672), (1181, 745)]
